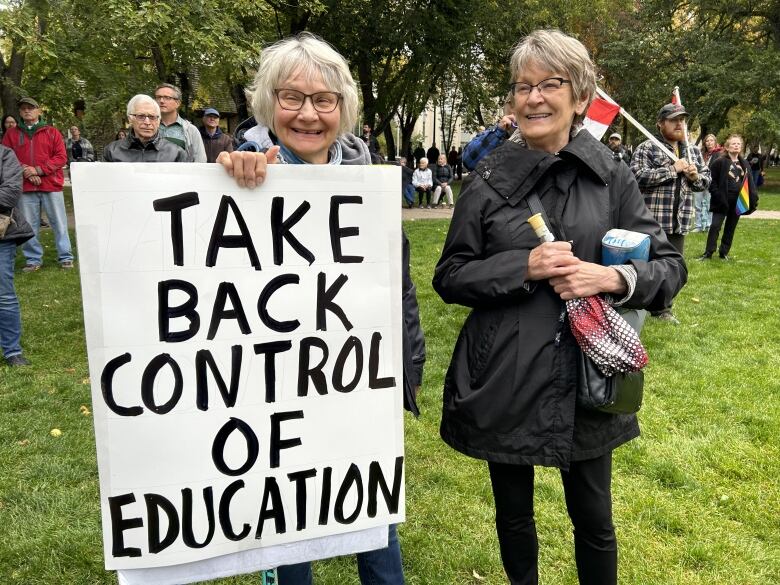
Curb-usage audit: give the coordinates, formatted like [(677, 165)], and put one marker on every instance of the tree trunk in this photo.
[(238, 93), (390, 141), (11, 80)]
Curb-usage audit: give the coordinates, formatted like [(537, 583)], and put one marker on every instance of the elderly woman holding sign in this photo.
[(510, 392), (305, 101)]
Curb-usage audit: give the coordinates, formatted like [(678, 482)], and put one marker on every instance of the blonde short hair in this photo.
[(310, 56), (738, 136), (555, 51)]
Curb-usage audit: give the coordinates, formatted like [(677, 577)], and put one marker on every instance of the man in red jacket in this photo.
[(41, 152)]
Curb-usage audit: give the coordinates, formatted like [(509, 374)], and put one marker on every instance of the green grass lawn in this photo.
[(769, 193), (696, 497)]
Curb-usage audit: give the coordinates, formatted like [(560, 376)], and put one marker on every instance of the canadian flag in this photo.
[(599, 117)]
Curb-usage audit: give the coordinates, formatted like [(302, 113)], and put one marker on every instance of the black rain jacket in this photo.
[(510, 391)]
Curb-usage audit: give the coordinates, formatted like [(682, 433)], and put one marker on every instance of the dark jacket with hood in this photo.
[(720, 202), (18, 231), (131, 149), (510, 391)]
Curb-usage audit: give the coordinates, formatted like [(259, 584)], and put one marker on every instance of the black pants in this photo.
[(426, 192), (589, 503), (728, 233)]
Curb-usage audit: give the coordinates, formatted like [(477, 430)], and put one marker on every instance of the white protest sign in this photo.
[(245, 355)]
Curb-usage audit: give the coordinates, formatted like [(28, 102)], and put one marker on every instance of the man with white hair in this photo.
[(143, 143)]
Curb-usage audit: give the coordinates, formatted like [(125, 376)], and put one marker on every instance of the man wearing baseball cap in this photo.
[(40, 150), (668, 185), (615, 144), (214, 140)]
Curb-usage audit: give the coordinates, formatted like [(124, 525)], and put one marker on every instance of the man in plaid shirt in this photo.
[(667, 185)]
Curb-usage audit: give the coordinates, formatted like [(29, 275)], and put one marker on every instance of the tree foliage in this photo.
[(724, 56)]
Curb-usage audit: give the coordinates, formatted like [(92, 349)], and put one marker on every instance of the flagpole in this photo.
[(676, 95), (639, 126)]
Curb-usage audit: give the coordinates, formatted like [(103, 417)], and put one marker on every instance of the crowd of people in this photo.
[(509, 395)]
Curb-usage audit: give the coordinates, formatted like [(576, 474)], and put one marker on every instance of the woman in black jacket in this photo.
[(510, 391), (729, 172)]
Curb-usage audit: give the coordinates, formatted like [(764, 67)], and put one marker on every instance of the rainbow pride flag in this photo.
[(743, 199)]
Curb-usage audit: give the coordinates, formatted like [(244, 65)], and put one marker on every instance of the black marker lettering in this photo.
[(224, 512), (107, 386), (305, 371), (187, 309), (262, 304), (204, 359), (337, 232), (300, 477), (351, 478), (277, 443), (219, 313), (150, 375), (186, 517), (350, 345), (270, 350), (220, 240), (218, 447), (174, 205), (325, 301), (275, 511), (119, 525), (376, 481), (373, 365), (281, 229), (155, 503)]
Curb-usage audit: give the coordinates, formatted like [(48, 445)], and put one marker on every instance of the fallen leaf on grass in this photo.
[(70, 370), (55, 433), (23, 442), (695, 300), (84, 410), (85, 381), (477, 576)]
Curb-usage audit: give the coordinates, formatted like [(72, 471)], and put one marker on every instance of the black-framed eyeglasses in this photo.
[(546, 86), (323, 101), (145, 117)]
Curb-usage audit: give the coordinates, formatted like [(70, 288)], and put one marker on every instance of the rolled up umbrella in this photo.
[(602, 334)]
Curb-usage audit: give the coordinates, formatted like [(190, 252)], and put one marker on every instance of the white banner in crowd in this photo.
[(245, 356)]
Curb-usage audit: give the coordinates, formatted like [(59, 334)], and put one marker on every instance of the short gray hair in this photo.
[(140, 98), (310, 56), (555, 51), (170, 86)]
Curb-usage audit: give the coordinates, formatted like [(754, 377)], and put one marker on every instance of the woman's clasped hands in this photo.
[(570, 277)]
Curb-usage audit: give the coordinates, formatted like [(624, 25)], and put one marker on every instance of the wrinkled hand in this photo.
[(551, 259), (248, 168), (588, 279), (507, 123), (34, 179), (28, 171)]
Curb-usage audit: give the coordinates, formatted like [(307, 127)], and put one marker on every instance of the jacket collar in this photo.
[(514, 170), (132, 142)]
